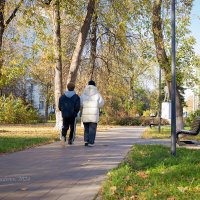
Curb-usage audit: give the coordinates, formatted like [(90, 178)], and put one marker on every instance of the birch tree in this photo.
[(58, 60)]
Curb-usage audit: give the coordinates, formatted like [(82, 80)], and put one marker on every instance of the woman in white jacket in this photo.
[(91, 102)]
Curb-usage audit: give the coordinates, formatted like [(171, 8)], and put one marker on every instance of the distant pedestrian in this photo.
[(91, 102), (69, 105)]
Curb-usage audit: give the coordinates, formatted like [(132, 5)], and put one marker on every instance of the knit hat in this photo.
[(91, 82), (70, 86)]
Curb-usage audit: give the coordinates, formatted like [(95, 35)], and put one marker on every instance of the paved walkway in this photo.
[(72, 173)]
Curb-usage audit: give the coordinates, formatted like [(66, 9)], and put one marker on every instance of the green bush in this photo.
[(129, 121), (13, 111), (107, 120), (145, 121), (191, 117)]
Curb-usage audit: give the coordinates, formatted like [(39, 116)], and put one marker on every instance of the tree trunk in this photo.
[(162, 58), (93, 45), (58, 65), (47, 103), (80, 43), (2, 28), (46, 110)]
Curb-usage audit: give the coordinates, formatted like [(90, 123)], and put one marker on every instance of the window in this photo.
[(41, 105)]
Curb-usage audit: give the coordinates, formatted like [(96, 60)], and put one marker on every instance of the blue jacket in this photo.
[(69, 104)]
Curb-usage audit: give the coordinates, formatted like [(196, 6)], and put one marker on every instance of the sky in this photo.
[(195, 24)]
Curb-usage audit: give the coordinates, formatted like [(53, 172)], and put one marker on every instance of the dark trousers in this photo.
[(69, 123), (90, 132)]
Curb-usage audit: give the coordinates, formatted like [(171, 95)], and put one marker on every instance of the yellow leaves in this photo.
[(182, 189), (142, 153), (155, 194), (171, 198), (143, 175), (113, 189), (133, 197), (129, 188), (11, 72), (196, 189), (122, 26), (127, 178), (109, 174), (190, 189)]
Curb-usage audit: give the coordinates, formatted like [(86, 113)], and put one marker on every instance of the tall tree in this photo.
[(74, 66), (93, 50), (58, 58), (4, 24), (163, 59)]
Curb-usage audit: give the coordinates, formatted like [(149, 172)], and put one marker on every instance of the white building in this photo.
[(36, 97)]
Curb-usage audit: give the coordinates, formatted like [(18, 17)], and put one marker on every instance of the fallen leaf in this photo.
[(133, 197), (171, 198), (142, 175), (129, 188), (113, 189), (182, 189)]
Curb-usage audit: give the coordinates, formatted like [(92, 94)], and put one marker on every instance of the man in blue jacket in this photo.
[(69, 105)]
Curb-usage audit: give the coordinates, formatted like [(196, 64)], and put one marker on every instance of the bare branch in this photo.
[(47, 2), (14, 13)]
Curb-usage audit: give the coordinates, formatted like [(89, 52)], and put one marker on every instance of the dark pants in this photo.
[(90, 132), (69, 123)]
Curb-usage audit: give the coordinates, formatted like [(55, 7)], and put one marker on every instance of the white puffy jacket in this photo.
[(91, 101)]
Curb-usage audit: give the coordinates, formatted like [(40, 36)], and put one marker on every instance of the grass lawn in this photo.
[(165, 133), (18, 137), (14, 138), (150, 172)]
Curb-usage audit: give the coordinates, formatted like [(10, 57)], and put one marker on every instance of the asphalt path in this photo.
[(74, 172)]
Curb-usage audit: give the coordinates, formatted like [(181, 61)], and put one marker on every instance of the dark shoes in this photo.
[(86, 144), (70, 142), (63, 141)]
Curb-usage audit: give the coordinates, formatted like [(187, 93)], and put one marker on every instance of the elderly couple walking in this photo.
[(89, 103)]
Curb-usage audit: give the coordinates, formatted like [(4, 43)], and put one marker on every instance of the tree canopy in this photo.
[(118, 43)]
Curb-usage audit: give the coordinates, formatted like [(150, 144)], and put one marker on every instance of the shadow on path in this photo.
[(71, 173)]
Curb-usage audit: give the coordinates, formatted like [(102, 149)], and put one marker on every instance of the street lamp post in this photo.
[(173, 87)]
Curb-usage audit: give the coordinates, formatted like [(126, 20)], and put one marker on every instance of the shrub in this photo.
[(145, 121), (107, 120), (129, 121), (191, 117), (14, 111), (146, 113)]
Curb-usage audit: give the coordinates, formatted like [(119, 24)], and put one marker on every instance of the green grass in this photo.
[(11, 144), (151, 172), (15, 138), (164, 133), (18, 137)]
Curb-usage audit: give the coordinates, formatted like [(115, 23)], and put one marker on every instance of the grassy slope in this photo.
[(150, 172)]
